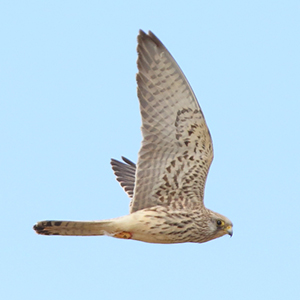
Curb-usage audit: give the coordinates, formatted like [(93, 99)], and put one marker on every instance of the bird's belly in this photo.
[(153, 227)]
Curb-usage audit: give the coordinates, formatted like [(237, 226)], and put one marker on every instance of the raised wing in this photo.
[(125, 174), (176, 150)]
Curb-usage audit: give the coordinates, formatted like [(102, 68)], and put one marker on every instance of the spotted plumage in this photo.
[(166, 186)]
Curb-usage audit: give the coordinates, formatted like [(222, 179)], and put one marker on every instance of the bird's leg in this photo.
[(123, 235)]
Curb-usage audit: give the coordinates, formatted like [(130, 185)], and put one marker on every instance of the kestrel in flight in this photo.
[(166, 186)]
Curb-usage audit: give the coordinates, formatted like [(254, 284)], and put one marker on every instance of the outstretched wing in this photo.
[(176, 150), (125, 174)]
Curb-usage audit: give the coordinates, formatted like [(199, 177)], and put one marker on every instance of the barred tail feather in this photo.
[(72, 228)]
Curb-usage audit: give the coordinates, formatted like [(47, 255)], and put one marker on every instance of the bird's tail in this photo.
[(81, 228)]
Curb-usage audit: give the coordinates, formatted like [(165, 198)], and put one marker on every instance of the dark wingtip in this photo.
[(142, 33), (150, 36), (114, 162), (128, 161)]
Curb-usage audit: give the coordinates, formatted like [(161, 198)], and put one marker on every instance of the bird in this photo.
[(166, 186)]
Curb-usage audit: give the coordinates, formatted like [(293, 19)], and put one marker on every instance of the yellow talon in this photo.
[(123, 235)]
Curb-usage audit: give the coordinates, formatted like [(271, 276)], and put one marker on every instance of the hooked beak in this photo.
[(229, 230)]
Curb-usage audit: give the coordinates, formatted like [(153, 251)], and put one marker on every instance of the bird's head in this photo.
[(219, 225)]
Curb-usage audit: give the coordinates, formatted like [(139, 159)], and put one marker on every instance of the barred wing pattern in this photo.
[(166, 186), (125, 173), (176, 150)]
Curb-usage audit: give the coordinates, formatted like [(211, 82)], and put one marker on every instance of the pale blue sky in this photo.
[(68, 104)]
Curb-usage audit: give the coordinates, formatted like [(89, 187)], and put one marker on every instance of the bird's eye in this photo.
[(220, 223)]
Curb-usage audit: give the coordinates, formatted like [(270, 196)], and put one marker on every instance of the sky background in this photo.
[(68, 104)]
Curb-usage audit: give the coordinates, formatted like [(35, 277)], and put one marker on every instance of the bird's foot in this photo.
[(123, 235)]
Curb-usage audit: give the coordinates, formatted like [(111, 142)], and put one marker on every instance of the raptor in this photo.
[(166, 186)]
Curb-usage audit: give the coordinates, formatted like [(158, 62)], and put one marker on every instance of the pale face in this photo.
[(220, 225)]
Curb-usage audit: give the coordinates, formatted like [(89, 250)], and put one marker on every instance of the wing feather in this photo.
[(125, 174), (176, 150)]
